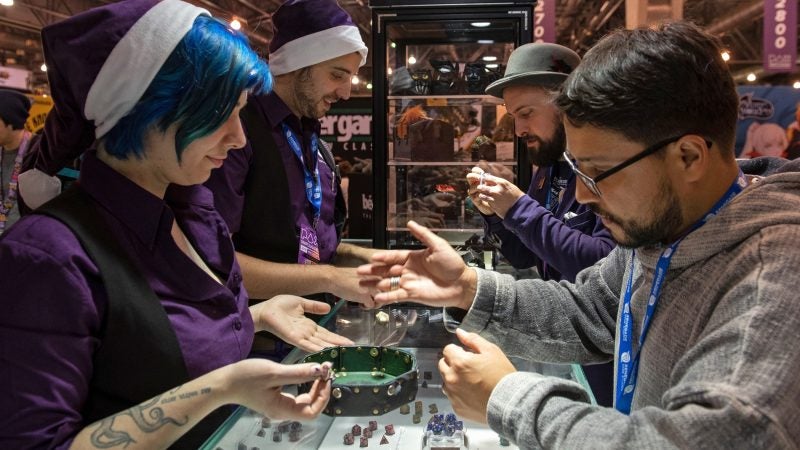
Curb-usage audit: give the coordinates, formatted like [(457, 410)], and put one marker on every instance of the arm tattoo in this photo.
[(105, 436)]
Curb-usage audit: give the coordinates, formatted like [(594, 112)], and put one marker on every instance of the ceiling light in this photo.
[(491, 66), (796, 85), (485, 41), (393, 45), (412, 60), (369, 85), (7, 2), (44, 67), (480, 24), (355, 79), (236, 25), (388, 70), (751, 77), (489, 58), (726, 56)]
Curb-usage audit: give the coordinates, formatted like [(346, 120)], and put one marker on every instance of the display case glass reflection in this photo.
[(440, 123)]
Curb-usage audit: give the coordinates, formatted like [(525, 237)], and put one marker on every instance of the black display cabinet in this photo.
[(432, 120)]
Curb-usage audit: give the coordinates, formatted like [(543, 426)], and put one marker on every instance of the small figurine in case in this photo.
[(445, 75), (476, 77), (422, 82)]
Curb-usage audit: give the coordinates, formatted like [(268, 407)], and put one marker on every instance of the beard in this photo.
[(550, 151), (305, 99), (665, 220)]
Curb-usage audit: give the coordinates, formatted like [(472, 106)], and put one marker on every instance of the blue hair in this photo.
[(197, 88)]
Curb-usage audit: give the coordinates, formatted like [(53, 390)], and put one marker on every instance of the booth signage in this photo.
[(780, 35)]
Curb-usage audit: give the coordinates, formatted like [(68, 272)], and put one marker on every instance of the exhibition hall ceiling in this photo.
[(579, 24)]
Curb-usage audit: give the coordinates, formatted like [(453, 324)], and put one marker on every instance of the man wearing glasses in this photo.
[(698, 302), (547, 228)]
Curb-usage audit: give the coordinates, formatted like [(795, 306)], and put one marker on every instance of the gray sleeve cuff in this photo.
[(480, 314), (515, 408)]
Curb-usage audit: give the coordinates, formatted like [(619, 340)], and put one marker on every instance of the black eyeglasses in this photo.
[(591, 183)]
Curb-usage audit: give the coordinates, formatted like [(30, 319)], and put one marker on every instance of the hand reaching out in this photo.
[(284, 316), (435, 276)]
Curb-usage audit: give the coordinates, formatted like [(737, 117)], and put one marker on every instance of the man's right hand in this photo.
[(474, 179), (435, 276)]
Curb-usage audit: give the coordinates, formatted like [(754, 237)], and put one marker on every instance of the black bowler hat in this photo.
[(536, 64)]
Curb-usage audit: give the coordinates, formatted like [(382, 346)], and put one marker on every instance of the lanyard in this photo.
[(627, 366), (311, 180), (7, 202), (549, 189)]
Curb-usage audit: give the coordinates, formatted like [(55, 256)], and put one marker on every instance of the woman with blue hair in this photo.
[(124, 321)]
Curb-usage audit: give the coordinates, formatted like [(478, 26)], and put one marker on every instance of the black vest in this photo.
[(139, 356), (267, 184)]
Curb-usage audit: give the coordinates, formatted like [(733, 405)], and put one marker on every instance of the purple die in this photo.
[(450, 418), (437, 428), (384, 440), (348, 439), (364, 442), (295, 426), (276, 436), (449, 430), (373, 425), (294, 435), (389, 429), (356, 430), (368, 432), (283, 427), (459, 425)]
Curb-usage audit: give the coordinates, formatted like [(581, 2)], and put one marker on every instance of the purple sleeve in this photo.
[(48, 333), (569, 246), (227, 183), (511, 247)]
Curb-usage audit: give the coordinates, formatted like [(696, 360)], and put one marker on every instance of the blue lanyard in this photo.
[(627, 366), (311, 180)]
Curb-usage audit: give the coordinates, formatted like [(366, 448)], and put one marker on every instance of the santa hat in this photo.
[(308, 32), (100, 63)]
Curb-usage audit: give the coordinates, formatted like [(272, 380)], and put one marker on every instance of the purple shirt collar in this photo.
[(141, 212)]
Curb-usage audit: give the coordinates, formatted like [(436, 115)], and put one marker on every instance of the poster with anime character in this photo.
[(769, 122)]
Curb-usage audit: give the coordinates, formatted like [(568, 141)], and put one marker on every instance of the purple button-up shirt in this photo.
[(53, 301), (560, 243), (227, 182)]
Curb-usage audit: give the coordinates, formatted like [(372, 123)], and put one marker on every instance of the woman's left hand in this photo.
[(284, 316)]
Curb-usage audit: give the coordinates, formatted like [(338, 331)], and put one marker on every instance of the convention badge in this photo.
[(309, 247)]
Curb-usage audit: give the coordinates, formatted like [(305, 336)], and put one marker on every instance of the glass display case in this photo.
[(432, 120), (421, 331)]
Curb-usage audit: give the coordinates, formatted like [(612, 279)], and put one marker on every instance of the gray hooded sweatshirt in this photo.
[(720, 367)]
